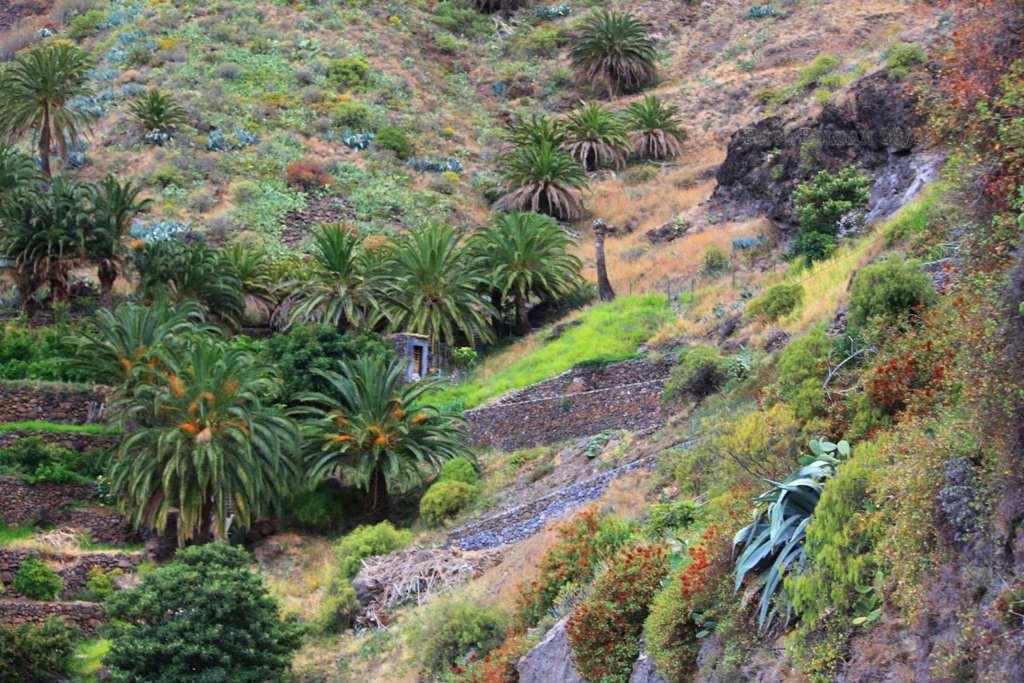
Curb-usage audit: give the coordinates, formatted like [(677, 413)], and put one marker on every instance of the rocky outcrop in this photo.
[(874, 126), (550, 661)]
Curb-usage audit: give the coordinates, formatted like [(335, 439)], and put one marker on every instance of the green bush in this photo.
[(450, 629), (444, 499), (100, 584), (460, 469), (715, 259), (36, 580), (800, 373), (84, 25), (821, 203), (38, 353), (321, 509), (367, 541), (815, 72), (902, 57), (38, 462), (776, 302), (462, 20), (665, 517), (35, 653), (348, 72), (204, 616), (701, 371), (395, 139), (352, 114), (338, 607), (888, 291)]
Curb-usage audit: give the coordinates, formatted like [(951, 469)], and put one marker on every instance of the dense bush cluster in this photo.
[(35, 653), (367, 541), (452, 627), (701, 372), (37, 461), (821, 205), (34, 579)]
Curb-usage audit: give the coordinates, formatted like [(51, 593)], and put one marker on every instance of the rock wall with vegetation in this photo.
[(72, 568), (53, 403), (21, 502), (86, 616)]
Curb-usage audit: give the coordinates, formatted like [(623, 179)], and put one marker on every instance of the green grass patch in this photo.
[(57, 427), (87, 659), (9, 534), (605, 333)]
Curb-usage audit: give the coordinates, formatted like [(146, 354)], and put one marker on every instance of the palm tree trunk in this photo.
[(522, 320), (107, 274), (45, 140), (379, 500), (604, 285), (60, 290)]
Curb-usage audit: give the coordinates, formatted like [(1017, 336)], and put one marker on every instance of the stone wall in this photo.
[(20, 502), (580, 402), (73, 568), (54, 403), (86, 616), (72, 440)]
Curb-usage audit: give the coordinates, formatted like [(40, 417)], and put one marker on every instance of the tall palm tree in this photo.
[(655, 129), (45, 231), (526, 255), (436, 288), (377, 430), (345, 286), (543, 179), (206, 444), (114, 207), (595, 137), (130, 343), (16, 170), (614, 48), (38, 88)]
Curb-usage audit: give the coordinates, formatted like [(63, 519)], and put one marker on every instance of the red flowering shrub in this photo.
[(584, 541), (604, 631), (307, 175), (499, 666)]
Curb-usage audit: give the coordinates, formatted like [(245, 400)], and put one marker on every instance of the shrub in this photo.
[(584, 542), (204, 616), (395, 139), (460, 469), (821, 203), (450, 629), (353, 115), (604, 631), (665, 517), (701, 372), (823, 65), (813, 246), (444, 499), (777, 302), (321, 508), (35, 653), (686, 608), (36, 580), (100, 584), (348, 72), (800, 373), (84, 25), (715, 259), (888, 291), (499, 666), (902, 57), (338, 607), (307, 175), (367, 541)]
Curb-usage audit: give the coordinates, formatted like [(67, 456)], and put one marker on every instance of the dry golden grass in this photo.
[(299, 572)]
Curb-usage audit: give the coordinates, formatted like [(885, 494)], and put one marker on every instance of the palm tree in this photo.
[(182, 271), (204, 443), (252, 267), (536, 130), (543, 179), (345, 288), (45, 233), (114, 207), (526, 255), (130, 343), (614, 48), (377, 430), (16, 170), (436, 288), (595, 137), (655, 129), (157, 112), (38, 89)]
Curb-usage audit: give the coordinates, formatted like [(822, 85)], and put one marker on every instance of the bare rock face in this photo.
[(644, 671), (550, 661), (873, 126)]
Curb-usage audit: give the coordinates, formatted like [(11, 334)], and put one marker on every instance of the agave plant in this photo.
[(596, 137), (536, 130), (543, 179), (655, 129), (773, 545), (614, 48), (157, 112), (378, 430)]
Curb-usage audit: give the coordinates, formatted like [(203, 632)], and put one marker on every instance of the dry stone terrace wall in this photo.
[(86, 616), (73, 569), (581, 402), (21, 502), (54, 403), (70, 440)]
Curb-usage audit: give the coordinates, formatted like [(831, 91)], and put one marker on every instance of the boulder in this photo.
[(644, 672), (550, 661)]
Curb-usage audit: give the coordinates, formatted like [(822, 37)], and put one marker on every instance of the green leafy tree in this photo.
[(655, 129), (39, 87), (543, 179), (614, 48), (823, 201), (203, 617), (436, 288), (345, 288), (114, 206), (526, 255), (595, 137), (157, 112), (377, 430), (204, 443), (36, 653)]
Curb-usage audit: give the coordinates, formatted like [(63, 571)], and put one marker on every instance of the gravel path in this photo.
[(519, 523)]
